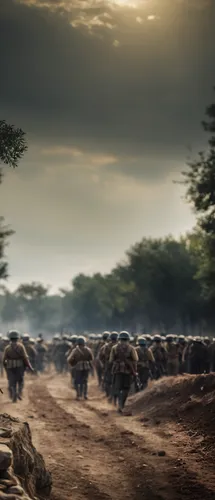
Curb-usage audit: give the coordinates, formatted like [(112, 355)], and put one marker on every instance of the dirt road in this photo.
[(95, 454)]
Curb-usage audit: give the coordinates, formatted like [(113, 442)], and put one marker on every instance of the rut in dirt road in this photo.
[(107, 468), (101, 460)]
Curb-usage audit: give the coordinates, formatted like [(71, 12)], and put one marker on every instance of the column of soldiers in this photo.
[(121, 362)]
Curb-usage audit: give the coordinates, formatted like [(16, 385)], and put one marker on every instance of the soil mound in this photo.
[(26, 463), (189, 400)]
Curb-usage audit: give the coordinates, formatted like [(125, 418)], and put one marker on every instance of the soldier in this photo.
[(55, 342), (61, 352), (212, 355), (15, 360), (181, 347), (160, 356), (123, 358), (73, 340), (104, 356), (172, 356), (81, 358), (41, 354), (198, 356), (1, 355), (146, 361), (30, 349), (98, 364)]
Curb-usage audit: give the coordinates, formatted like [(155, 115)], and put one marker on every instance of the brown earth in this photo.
[(164, 451)]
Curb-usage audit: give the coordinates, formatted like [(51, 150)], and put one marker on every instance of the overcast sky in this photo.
[(111, 95)]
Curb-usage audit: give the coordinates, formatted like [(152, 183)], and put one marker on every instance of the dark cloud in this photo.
[(146, 95)]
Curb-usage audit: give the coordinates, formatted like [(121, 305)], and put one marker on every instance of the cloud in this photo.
[(109, 100)]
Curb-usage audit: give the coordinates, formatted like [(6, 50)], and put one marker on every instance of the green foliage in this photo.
[(158, 286), (200, 182), (12, 148), (5, 232), (12, 144)]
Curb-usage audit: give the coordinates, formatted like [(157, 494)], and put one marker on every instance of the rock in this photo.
[(161, 453), (121, 459), (80, 456), (6, 457)]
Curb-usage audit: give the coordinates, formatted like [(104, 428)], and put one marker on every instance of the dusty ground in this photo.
[(95, 454)]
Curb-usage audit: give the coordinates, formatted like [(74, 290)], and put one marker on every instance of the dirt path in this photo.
[(95, 454)]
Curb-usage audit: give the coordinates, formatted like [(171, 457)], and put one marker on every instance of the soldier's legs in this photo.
[(84, 387), (114, 393), (9, 378), (77, 383), (126, 384), (107, 382), (20, 380), (172, 368), (12, 380), (143, 373), (122, 387)]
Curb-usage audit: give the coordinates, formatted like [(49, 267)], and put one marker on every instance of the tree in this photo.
[(163, 274), (200, 183), (12, 144), (5, 232), (12, 148), (32, 299)]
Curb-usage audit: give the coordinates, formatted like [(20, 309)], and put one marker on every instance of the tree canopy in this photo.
[(12, 148), (200, 183)]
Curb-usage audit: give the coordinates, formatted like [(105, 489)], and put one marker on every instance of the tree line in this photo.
[(163, 284)]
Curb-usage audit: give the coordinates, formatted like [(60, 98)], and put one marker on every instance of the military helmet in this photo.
[(56, 336), (81, 340), (39, 340), (13, 335), (148, 337), (105, 335), (157, 338), (141, 341), (114, 336), (73, 339), (124, 335), (25, 337), (169, 338), (181, 339)]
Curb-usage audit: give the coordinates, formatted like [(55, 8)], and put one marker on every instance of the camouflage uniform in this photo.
[(81, 359), (61, 350), (198, 357), (104, 357), (123, 358), (2, 346), (146, 361), (15, 360), (41, 354), (32, 354), (172, 358), (160, 356)]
